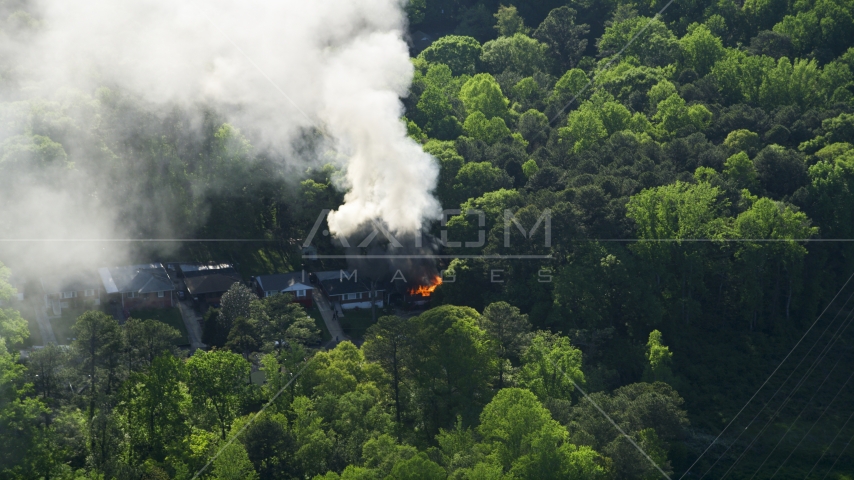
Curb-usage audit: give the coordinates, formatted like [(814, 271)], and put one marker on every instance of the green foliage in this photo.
[(551, 367), (701, 49), (519, 53), (741, 170), (654, 44), (489, 130), (563, 36), (743, 140), (659, 357), (508, 22), (457, 52), (584, 129), (216, 381), (482, 94)]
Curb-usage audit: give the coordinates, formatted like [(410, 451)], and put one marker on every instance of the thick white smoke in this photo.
[(275, 67)]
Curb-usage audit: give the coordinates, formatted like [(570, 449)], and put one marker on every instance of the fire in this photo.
[(426, 290)]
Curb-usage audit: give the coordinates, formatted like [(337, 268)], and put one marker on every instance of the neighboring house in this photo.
[(77, 290), (296, 283), (346, 289), (207, 283), (138, 286)]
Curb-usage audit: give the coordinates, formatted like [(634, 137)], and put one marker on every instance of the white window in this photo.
[(352, 296), (69, 294), (300, 293), (160, 294), (89, 293), (131, 294)]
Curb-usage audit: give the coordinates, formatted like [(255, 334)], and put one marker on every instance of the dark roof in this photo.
[(147, 278), (74, 282), (219, 281), (282, 281), (194, 270), (339, 287)]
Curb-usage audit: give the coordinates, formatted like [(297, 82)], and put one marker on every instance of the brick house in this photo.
[(138, 286), (75, 290), (347, 290), (295, 283)]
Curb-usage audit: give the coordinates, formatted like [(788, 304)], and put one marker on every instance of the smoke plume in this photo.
[(280, 69)]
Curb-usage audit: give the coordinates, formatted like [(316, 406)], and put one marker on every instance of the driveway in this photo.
[(192, 322), (44, 324), (332, 324)]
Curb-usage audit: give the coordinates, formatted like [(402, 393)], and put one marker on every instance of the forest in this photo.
[(695, 161)]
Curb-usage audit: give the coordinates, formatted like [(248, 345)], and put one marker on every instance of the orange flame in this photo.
[(426, 290)]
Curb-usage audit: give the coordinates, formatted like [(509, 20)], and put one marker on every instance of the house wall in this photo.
[(307, 301), (80, 301), (364, 302), (148, 300)]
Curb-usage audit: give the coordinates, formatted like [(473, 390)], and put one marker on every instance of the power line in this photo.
[(611, 420), (254, 417), (830, 444), (814, 423), (769, 378), (821, 356), (837, 458)]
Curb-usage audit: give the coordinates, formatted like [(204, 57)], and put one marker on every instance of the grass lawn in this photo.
[(314, 313), (356, 322), (169, 316)]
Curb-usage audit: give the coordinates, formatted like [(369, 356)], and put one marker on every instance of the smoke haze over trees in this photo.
[(697, 167)]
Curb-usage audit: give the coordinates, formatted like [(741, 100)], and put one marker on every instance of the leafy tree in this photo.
[(476, 179), (771, 44), (651, 413), (519, 53), (438, 113), (148, 339), (523, 438), (233, 464), (584, 129), (551, 367), (482, 93), (451, 367), (508, 22), (568, 87), (488, 130), (780, 171), (509, 329), (217, 381), (743, 140), (659, 357), (458, 52), (563, 36), (244, 337), (386, 343), (674, 117), (701, 49), (654, 44), (13, 327), (48, 372), (97, 345), (154, 408), (418, 467), (741, 170), (270, 445), (534, 127)]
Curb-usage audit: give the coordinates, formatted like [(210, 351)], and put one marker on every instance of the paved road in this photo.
[(191, 321), (44, 324), (332, 325)]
